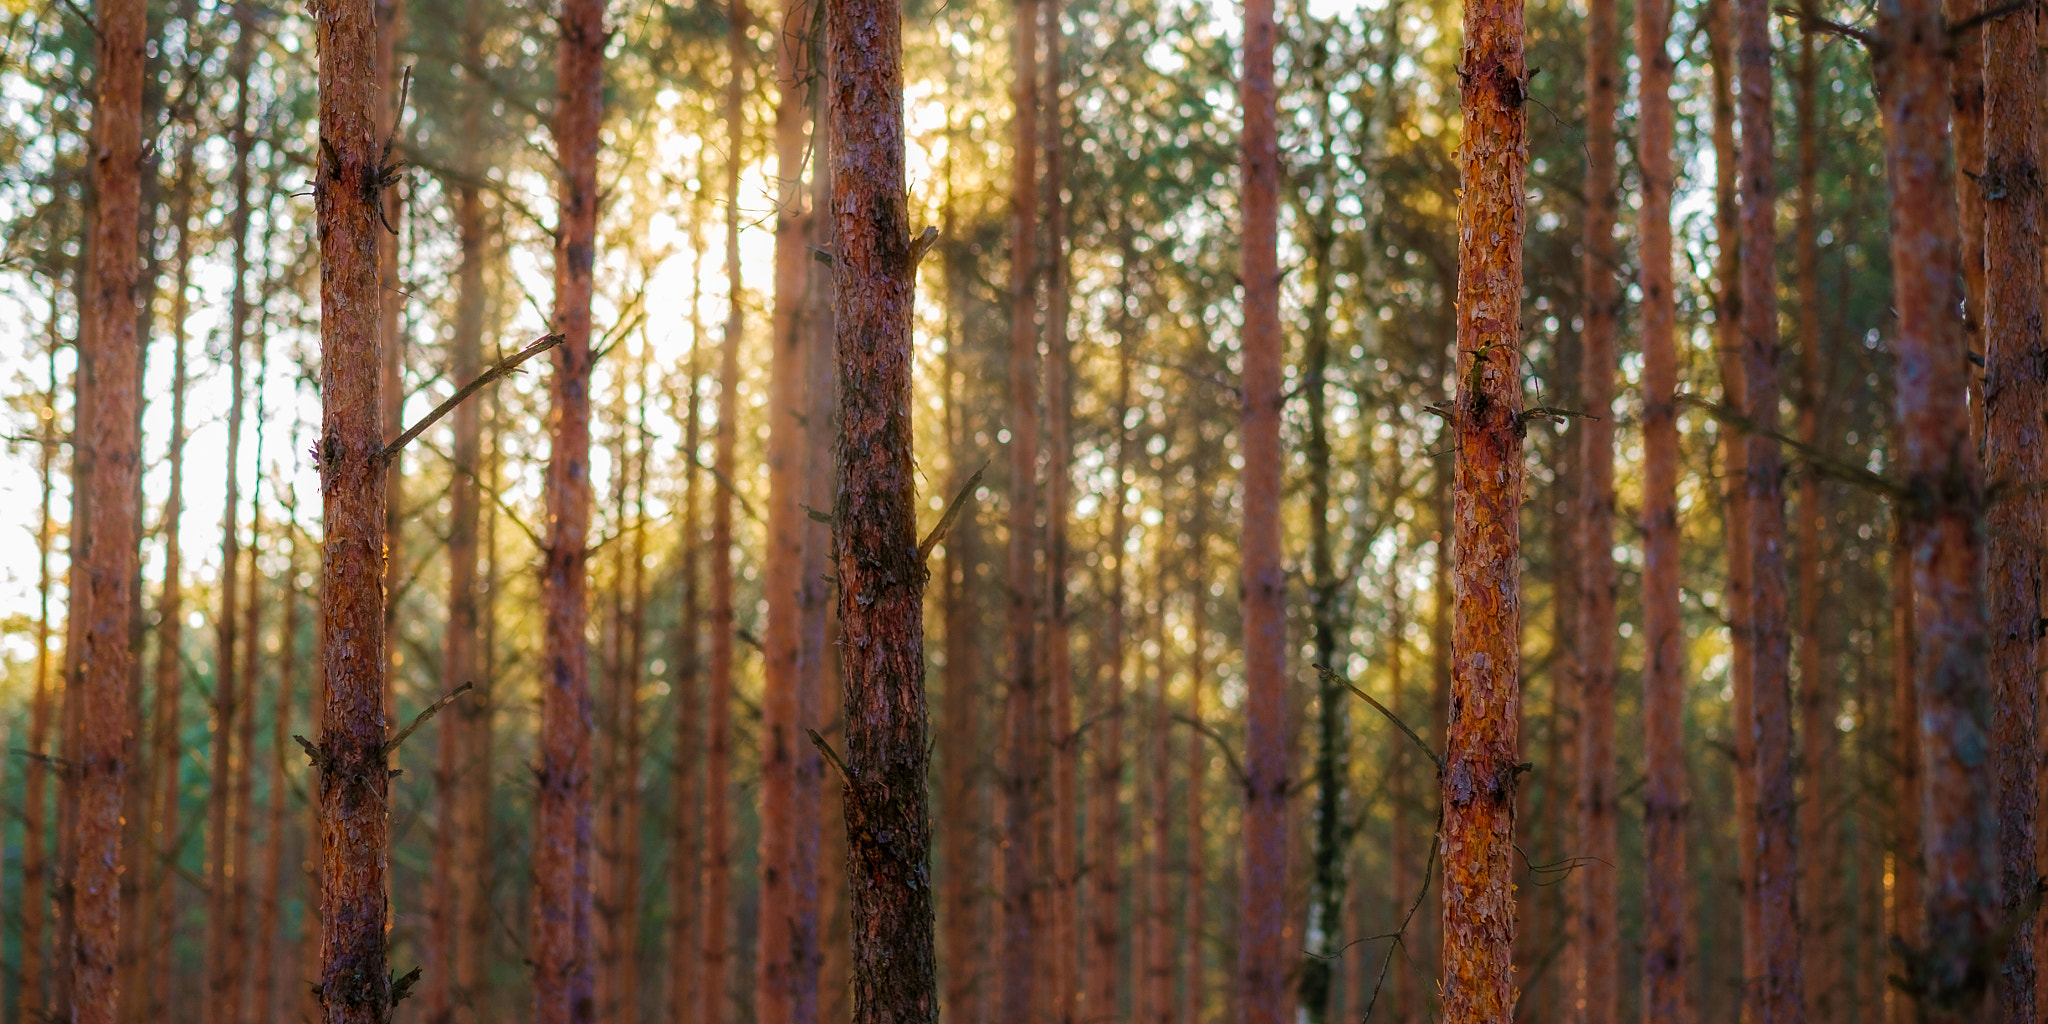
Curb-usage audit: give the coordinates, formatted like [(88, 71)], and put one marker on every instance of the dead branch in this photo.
[(504, 368)]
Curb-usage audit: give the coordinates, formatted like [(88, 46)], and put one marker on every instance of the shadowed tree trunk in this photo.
[(2015, 435), (1943, 515), (1479, 777), (1156, 967), (222, 971), (1105, 806), (35, 838), (1966, 95), (391, 299), (560, 947), (1906, 873), (1262, 957), (1193, 919), (1598, 946), (686, 796), (1064, 872), (822, 877), (108, 355), (877, 561), (1024, 746), (786, 978), (354, 784), (1667, 919), (244, 858), (961, 844), (266, 1004)]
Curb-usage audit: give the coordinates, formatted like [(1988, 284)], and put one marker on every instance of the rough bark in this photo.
[(714, 927), (561, 947), (354, 784), (2015, 432), (221, 925), (1943, 514), (1596, 981), (786, 978), (1262, 957), (108, 356), (1821, 952), (1479, 778), (877, 561), (1023, 744), (1667, 919)]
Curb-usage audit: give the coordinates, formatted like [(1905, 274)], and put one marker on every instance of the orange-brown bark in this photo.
[(1943, 515), (818, 795), (1966, 96), (1598, 946), (108, 355), (1262, 953), (560, 947), (1667, 920), (2015, 434), (877, 561), (354, 782), (786, 966), (1024, 743), (1479, 777)]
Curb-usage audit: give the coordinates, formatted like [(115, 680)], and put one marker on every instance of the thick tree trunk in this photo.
[(102, 606), (1262, 956), (1943, 517), (1777, 990), (1062, 876), (877, 561), (715, 928), (1821, 951), (2015, 436), (786, 978), (1479, 778), (1105, 805), (686, 794), (223, 971), (354, 784), (561, 947), (1598, 947), (1667, 918), (1024, 752)]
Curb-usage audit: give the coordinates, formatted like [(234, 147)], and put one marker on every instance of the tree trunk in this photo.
[(1157, 967), (354, 783), (266, 1004), (391, 298), (222, 970), (717, 884), (1598, 947), (877, 562), (786, 979), (817, 658), (1943, 514), (1667, 919), (1777, 988), (561, 944), (1821, 952), (35, 839), (1262, 957), (1024, 752), (1400, 869), (244, 858), (1193, 919), (1907, 863), (1966, 81), (159, 916), (1105, 806), (685, 865), (102, 607), (1480, 774), (1326, 880), (2015, 436), (1064, 871)]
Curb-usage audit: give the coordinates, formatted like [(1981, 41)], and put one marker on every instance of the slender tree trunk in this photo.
[(244, 858), (1778, 989), (1401, 869), (1966, 86), (1064, 872), (685, 866), (102, 606), (609, 767), (35, 839), (1821, 949), (1598, 947), (160, 917), (1105, 806), (1024, 751), (1157, 966), (1479, 778), (1326, 881), (1907, 863), (223, 971), (391, 28), (267, 1006), (561, 945), (817, 881), (1667, 918), (717, 882), (1194, 922), (877, 561), (354, 783), (1735, 454), (1262, 958), (2015, 436), (786, 979), (1943, 517)]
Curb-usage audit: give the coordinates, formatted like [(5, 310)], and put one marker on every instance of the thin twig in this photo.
[(505, 367), (421, 719), (932, 539), (1820, 461), (1332, 677), (830, 755), (1386, 965), (1236, 767)]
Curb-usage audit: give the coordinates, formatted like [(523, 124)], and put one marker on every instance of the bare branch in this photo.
[(932, 539), (505, 367), (1330, 676)]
